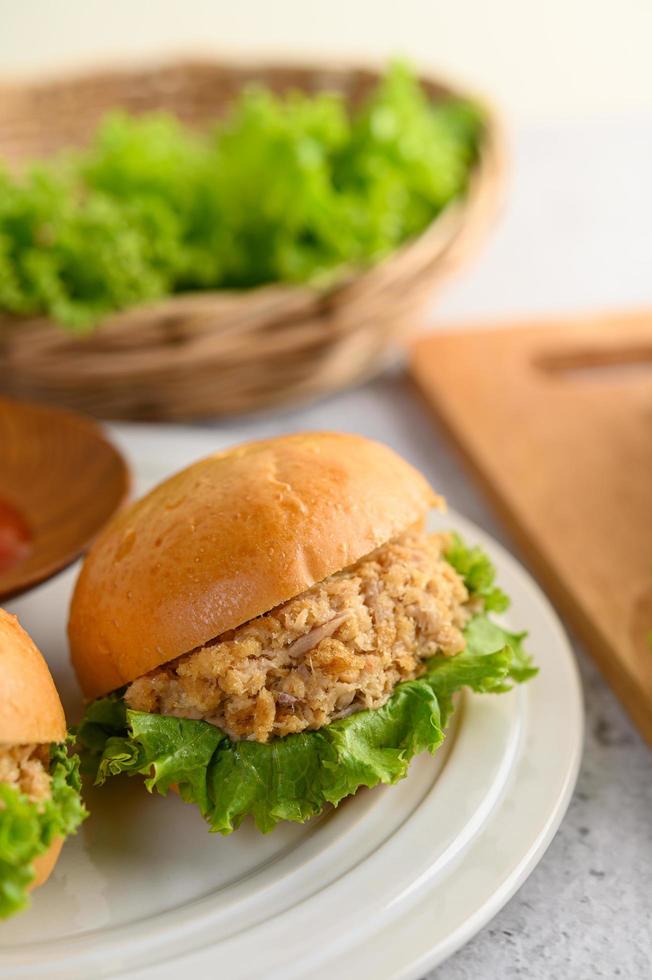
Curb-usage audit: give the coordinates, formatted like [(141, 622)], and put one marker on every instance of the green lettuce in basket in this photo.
[(284, 189)]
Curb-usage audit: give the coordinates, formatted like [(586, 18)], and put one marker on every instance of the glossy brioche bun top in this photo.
[(228, 539), (30, 707)]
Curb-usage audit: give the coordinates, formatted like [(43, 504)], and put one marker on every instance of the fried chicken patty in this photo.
[(339, 647), (27, 768)]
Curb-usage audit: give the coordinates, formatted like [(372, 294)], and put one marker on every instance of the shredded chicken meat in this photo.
[(26, 767), (339, 647)]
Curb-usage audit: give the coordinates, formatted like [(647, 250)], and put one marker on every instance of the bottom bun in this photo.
[(44, 864)]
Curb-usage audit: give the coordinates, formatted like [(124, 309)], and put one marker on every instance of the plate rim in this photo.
[(472, 926), (417, 963)]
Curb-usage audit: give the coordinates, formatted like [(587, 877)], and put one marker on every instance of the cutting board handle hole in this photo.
[(611, 364)]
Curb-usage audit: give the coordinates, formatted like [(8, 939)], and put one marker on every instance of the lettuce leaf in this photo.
[(293, 778), (287, 187), (478, 572), (27, 829)]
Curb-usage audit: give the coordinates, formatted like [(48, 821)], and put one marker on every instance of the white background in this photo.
[(538, 58)]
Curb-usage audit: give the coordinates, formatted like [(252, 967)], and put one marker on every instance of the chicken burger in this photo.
[(273, 628)]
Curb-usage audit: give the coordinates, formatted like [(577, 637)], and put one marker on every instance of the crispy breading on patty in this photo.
[(27, 768), (337, 648)]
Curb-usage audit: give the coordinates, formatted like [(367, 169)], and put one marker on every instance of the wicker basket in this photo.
[(212, 353)]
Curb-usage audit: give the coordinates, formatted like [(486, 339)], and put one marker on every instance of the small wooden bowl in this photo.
[(60, 481)]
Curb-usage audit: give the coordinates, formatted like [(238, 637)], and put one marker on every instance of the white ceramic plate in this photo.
[(386, 886)]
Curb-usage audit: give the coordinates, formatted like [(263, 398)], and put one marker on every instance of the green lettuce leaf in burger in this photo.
[(272, 628)]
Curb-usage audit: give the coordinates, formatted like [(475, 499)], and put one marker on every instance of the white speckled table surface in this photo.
[(576, 235)]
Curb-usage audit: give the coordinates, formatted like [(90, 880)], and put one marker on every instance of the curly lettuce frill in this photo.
[(294, 777), (28, 828)]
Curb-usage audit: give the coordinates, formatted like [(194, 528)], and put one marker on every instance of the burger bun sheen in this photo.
[(229, 538), (30, 707)]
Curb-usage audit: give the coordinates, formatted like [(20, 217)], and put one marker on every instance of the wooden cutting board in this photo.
[(555, 420)]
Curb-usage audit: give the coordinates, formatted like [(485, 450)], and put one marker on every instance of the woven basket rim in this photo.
[(268, 61)]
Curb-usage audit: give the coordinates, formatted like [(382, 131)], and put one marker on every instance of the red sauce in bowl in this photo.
[(14, 536)]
